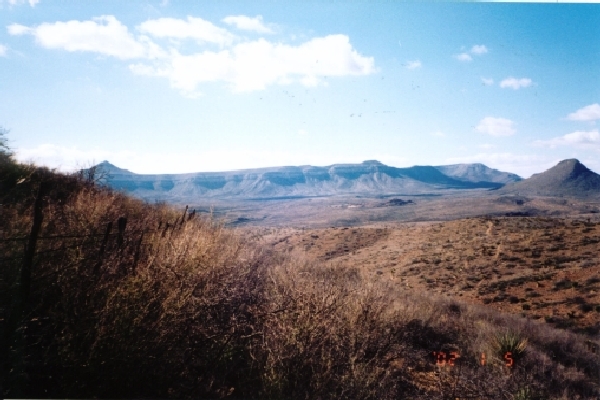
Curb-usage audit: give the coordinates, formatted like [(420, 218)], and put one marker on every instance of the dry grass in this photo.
[(545, 268), (179, 307)]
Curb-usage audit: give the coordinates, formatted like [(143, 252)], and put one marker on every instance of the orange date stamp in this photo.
[(449, 358)]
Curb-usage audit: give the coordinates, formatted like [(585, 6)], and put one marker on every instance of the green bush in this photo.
[(509, 342), (523, 394)]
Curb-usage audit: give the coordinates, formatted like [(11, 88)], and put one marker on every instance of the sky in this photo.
[(170, 86)]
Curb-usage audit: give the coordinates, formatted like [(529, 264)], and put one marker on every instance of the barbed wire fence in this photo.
[(120, 238)]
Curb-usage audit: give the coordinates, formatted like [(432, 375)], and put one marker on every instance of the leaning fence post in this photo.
[(102, 247), (183, 216), (122, 223), (137, 252), (13, 379), (38, 217)]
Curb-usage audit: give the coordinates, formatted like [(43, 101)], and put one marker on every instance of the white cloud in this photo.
[(104, 35), (32, 3), (413, 64), (244, 66), (515, 84), (587, 113), (479, 49), (438, 134), (496, 126), (2, 50), (586, 140), (254, 65), (487, 81), (193, 28), (245, 23), (302, 132), (486, 146), (307, 81), (16, 29)]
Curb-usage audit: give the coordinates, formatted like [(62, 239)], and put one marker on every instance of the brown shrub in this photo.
[(172, 307)]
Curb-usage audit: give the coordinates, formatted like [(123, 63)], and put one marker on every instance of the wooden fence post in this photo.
[(122, 224), (183, 216), (136, 257), (13, 379), (38, 217), (102, 247)]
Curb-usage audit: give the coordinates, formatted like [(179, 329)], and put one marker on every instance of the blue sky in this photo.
[(179, 86)]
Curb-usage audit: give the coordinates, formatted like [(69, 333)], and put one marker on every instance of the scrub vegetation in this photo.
[(113, 297)]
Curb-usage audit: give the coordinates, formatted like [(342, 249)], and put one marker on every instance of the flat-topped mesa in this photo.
[(369, 178), (372, 162)]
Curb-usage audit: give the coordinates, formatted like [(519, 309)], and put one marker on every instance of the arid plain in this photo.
[(302, 296), (535, 257), (523, 253)]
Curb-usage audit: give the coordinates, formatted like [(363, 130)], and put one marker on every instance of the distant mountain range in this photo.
[(370, 178), (567, 178)]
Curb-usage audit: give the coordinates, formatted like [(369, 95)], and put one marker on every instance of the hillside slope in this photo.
[(567, 178), (132, 300)]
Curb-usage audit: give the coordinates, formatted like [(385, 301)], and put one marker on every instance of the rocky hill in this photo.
[(567, 178), (368, 178)]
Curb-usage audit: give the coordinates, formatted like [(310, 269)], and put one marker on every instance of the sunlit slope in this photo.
[(567, 178)]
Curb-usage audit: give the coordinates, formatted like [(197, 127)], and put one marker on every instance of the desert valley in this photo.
[(527, 247), (358, 280), (299, 200)]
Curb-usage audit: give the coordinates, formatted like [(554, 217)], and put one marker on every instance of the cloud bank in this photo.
[(32, 3), (104, 35), (245, 23), (198, 29), (496, 126), (253, 65), (515, 84), (218, 56), (477, 49), (587, 113), (585, 140), (414, 64)]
